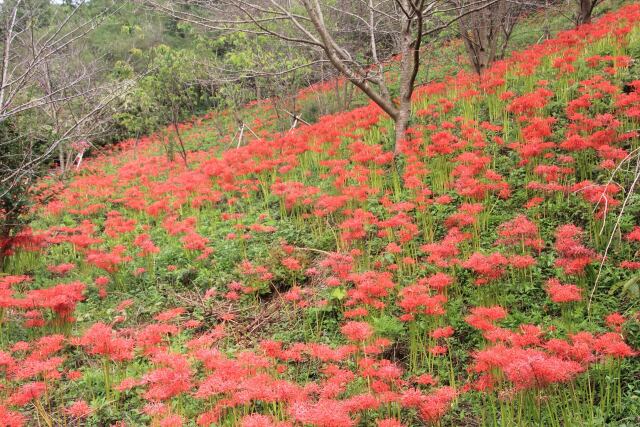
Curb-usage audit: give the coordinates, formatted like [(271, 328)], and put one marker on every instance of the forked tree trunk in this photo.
[(176, 128), (585, 11), (410, 48), (481, 31)]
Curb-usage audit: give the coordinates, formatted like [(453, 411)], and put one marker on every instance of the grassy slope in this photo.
[(257, 230)]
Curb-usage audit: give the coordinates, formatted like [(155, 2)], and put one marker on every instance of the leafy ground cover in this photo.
[(307, 278)]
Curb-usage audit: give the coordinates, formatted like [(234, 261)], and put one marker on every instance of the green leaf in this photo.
[(630, 287), (338, 294)]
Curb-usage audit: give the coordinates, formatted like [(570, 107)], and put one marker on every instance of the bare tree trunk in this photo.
[(61, 159), (404, 107), (401, 125), (340, 59), (410, 48), (349, 91), (183, 151), (70, 160), (258, 89), (481, 32), (585, 11), (7, 52)]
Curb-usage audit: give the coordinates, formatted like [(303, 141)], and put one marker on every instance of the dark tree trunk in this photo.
[(183, 151), (481, 31), (586, 9)]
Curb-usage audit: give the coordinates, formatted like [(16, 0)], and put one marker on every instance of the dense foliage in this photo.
[(308, 277)]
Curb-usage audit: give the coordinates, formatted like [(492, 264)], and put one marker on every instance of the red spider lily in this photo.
[(324, 413), (225, 183), (599, 195), (615, 321), (443, 253), (402, 224), (442, 332), (355, 227), (100, 339), (573, 255), (172, 378), (370, 288), (61, 269), (27, 393), (522, 261), (174, 227), (108, 261), (327, 354), (634, 235), (529, 104), (519, 233), (144, 242), (294, 193), (565, 64), (631, 265), (416, 300), (629, 103), (7, 282), (38, 368), (155, 409), (101, 283), (560, 293), (149, 337), (258, 420), (357, 331), (45, 346), (389, 422), (116, 225), (438, 281), (34, 319), (173, 420), (466, 215), (170, 314), (612, 344), (73, 375), (483, 318), (11, 418), (552, 173), (529, 335), (340, 265), (291, 264), (526, 368), (436, 404), (61, 299), (127, 384), (79, 409), (194, 242), (488, 267)]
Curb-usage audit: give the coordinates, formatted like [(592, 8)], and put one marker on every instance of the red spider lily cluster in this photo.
[(400, 312)]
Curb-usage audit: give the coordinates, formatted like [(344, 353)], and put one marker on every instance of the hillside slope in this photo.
[(306, 278)]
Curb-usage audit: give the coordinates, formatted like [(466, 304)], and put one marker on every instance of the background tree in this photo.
[(249, 66), (482, 31), (391, 27), (52, 100), (585, 10), (166, 94), (486, 31)]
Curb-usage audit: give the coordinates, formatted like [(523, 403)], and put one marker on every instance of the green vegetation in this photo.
[(235, 269)]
